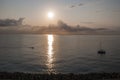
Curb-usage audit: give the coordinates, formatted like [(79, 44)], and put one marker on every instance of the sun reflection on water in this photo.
[(50, 53)]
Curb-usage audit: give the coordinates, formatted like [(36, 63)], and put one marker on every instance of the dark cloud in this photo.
[(80, 4), (11, 22), (63, 25), (72, 6)]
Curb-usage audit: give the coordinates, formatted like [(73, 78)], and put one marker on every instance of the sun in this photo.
[(50, 15)]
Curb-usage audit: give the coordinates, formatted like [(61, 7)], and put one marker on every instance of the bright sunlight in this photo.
[(50, 15)]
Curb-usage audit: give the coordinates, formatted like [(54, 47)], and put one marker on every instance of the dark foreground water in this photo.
[(59, 53)]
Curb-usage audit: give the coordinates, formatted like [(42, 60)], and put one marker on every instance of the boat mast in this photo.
[(100, 45)]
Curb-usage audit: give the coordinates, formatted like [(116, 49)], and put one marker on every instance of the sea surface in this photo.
[(59, 53)]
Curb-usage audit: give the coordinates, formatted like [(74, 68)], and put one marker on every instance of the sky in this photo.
[(90, 13)]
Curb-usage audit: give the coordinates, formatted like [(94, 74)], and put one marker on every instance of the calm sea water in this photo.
[(59, 53)]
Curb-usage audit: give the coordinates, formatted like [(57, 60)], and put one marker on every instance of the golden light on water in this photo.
[(50, 52)]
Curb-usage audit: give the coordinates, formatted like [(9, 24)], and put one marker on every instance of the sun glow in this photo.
[(50, 15)]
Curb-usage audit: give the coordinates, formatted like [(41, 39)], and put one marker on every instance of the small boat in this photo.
[(101, 51), (31, 47)]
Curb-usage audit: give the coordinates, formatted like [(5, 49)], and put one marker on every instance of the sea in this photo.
[(35, 53)]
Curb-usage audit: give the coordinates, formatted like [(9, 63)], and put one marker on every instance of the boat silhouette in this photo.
[(101, 51)]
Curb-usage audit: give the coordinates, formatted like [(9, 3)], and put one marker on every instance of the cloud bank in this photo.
[(11, 22), (63, 25), (16, 26)]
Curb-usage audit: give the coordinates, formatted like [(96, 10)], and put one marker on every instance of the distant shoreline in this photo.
[(49, 34), (59, 76)]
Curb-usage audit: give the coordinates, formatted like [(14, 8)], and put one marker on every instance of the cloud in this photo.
[(72, 6), (81, 4), (76, 5), (11, 22), (60, 28), (62, 25)]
